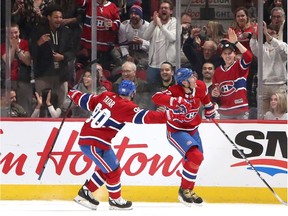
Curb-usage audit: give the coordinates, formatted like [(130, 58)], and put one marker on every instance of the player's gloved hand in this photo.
[(179, 102), (175, 116), (209, 111), (72, 93)]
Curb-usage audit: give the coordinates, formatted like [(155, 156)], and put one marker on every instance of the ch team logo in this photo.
[(191, 115), (227, 88)]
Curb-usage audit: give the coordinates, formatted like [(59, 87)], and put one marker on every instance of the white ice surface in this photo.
[(63, 208)]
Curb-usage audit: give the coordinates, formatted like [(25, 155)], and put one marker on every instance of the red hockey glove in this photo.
[(179, 102), (209, 111), (72, 93)]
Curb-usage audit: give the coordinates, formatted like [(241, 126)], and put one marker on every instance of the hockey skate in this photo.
[(119, 204), (187, 197), (86, 199)]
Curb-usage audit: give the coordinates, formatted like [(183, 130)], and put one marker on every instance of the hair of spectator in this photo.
[(167, 1), (278, 9), (245, 11), (273, 27), (52, 8), (171, 66)]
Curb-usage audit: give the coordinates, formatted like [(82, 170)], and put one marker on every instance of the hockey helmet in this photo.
[(126, 88), (182, 74)]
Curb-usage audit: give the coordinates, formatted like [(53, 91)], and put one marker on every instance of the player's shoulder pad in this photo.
[(201, 84)]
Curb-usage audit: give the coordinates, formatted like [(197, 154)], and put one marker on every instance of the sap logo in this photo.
[(263, 155)]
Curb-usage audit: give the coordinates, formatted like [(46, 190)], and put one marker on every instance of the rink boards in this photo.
[(151, 166)]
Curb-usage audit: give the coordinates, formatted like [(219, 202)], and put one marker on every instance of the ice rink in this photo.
[(57, 208)]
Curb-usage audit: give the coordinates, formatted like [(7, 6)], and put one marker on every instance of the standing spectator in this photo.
[(243, 27), (275, 53), (161, 33), (129, 73), (108, 23), (278, 18), (73, 18), (215, 31), (132, 45), (269, 5), (110, 113), (278, 107), (28, 14), (186, 20), (52, 52), (229, 80), (184, 135), (198, 55), (20, 67)]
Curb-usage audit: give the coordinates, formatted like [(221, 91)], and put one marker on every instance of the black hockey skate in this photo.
[(86, 199), (187, 197), (119, 204)]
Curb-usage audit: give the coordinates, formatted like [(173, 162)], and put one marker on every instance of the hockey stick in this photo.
[(62, 122), (250, 164)]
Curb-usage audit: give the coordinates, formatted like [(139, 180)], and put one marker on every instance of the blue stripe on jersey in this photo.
[(243, 64), (113, 124), (139, 117), (83, 102), (87, 20), (240, 83)]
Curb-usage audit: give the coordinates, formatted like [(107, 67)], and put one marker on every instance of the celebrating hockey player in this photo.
[(109, 114), (184, 136)]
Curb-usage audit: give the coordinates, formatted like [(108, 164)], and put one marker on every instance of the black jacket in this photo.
[(43, 55)]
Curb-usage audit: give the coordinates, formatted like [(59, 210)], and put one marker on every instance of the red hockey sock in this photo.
[(194, 158)]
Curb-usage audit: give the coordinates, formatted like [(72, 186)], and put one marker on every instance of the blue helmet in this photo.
[(182, 74), (126, 88)]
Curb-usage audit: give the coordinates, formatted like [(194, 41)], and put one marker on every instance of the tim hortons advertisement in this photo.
[(144, 153)]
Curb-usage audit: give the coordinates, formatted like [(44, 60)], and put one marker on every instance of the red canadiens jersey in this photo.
[(23, 45), (198, 96), (232, 85), (244, 41), (109, 114), (105, 36)]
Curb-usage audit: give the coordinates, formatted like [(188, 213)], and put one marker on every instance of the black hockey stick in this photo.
[(63, 120), (250, 164)]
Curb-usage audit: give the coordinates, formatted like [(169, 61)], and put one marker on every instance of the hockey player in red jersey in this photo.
[(110, 111), (229, 80), (184, 136)]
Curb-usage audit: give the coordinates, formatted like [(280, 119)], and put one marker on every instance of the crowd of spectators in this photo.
[(51, 43)]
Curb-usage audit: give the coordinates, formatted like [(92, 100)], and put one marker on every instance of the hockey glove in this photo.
[(174, 116), (72, 93), (179, 102), (209, 111)]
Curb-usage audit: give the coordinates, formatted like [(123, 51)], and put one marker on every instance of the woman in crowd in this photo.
[(278, 107)]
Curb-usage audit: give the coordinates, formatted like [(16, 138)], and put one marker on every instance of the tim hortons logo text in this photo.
[(155, 164)]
